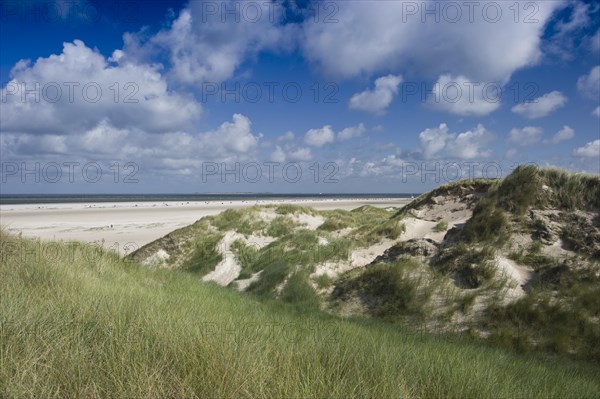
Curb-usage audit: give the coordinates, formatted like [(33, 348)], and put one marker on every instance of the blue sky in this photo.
[(357, 96)]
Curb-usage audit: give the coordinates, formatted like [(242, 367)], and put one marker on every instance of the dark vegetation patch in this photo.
[(386, 289), (469, 267)]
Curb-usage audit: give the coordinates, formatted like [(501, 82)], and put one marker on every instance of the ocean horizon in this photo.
[(23, 199)]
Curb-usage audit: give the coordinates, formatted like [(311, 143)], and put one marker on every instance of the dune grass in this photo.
[(79, 322)]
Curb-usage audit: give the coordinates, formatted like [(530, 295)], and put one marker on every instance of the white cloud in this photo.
[(378, 100), (590, 150), (388, 38), (589, 85), (231, 137), (231, 141), (462, 96), (596, 112), (595, 42), (278, 155), (351, 132), (434, 140), (319, 137), (525, 136), (566, 133), (541, 106), (300, 154), (79, 88), (579, 19), (563, 40), (326, 135), (202, 47), (466, 145), (288, 136), (292, 154)]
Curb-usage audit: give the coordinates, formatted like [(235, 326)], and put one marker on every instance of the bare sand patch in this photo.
[(127, 226)]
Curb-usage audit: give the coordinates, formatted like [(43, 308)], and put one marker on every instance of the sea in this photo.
[(15, 199)]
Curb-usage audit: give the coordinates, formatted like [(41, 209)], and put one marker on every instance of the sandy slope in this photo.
[(136, 224)]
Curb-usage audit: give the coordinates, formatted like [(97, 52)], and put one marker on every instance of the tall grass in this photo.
[(78, 322)]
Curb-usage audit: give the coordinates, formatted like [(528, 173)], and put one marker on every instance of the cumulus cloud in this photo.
[(202, 47), (596, 112), (590, 150), (462, 96), (594, 42), (563, 40), (589, 85), (390, 38), (351, 132), (541, 106), (288, 136), (319, 137), (231, 141), (74, 91), (231, 137), (525, 136), (433, 140), (291, 154), (326, 135), (377, 101), (566, 133), (278, 155), (466, 145), (299, 154)]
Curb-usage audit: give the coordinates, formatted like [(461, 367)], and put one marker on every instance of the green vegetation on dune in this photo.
[(457, 189), (541, 296), (78, 322), (205, 255), (527, 187)]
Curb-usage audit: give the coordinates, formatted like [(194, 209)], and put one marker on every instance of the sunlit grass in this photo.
[(79, 322)]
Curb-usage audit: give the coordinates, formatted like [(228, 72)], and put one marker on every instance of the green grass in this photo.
[(458, 188), (288, 209), (323, 281), (244, 221), (386, 289), (470, 267), (441, 227), (298, 291), (525, 188), (281, 226), (85, 323), (246, 256), (205, 256), (541, 322), (365, 216)]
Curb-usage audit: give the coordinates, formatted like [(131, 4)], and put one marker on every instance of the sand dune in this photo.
[(125, 227)]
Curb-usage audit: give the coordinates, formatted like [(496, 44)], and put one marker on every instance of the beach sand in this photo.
[(126, 226)]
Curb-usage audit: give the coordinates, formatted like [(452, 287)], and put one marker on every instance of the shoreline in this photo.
[(155, 204), (126, 226)]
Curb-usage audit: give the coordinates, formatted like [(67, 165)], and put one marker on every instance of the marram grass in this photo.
[(79, 322)]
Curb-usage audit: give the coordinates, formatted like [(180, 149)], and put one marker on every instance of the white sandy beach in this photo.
[(137, 224)]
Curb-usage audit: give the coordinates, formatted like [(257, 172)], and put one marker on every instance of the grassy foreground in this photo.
[(80, 322)]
